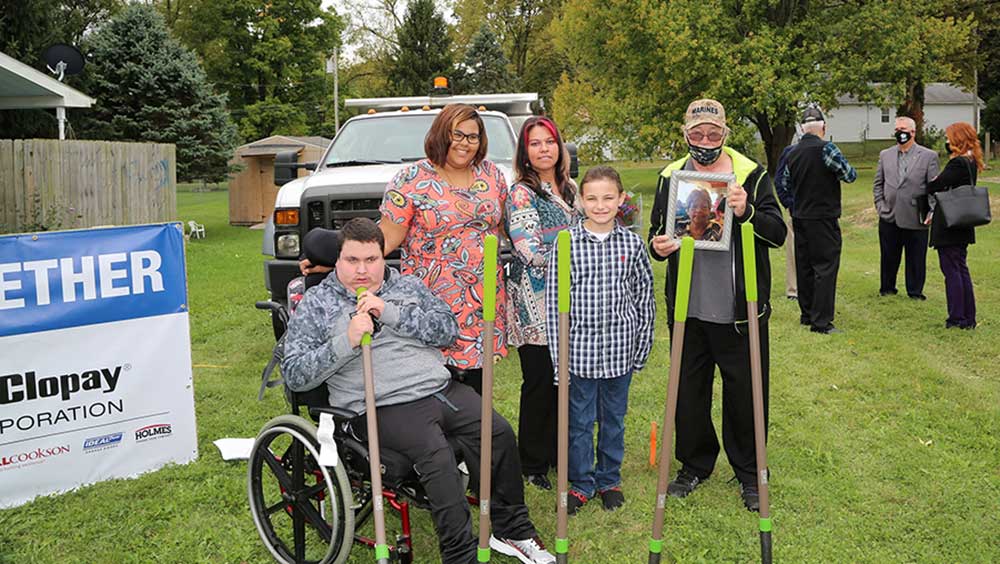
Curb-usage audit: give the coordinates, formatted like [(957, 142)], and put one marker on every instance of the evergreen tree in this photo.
[(423, 51), (149, 88), (484, 70)]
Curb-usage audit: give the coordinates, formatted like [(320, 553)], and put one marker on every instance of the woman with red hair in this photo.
[(542, 202), (952, 243)]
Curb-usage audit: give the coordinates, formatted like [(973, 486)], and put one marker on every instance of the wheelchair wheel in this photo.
[(303, 511)]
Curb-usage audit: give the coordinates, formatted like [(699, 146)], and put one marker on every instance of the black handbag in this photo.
[(964, 206)]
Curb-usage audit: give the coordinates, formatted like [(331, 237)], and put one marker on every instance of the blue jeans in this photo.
[(601, 401)]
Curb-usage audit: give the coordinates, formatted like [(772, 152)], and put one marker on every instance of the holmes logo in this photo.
[(150, 432), (32, 456), (99, 443)]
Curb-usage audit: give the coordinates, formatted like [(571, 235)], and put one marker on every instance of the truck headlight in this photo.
[(288, 245)]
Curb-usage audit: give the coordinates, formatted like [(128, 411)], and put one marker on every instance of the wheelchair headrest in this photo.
[(322, 246)]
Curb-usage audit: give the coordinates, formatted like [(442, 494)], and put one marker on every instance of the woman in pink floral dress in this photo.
[(439, 211)]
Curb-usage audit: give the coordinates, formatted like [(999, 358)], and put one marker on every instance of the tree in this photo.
[(484, 70), (272, 116), (257, 51), (761, 59), (523, 28), (149, 88), (422, 52)]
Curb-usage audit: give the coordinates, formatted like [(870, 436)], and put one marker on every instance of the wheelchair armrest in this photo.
[(339, 415)]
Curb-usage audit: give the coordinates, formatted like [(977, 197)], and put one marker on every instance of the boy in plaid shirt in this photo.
[(610, 335)]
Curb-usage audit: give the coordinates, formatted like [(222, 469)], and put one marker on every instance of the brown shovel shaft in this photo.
[(562, 457), (757, 388), (667, 438), (375, 461), (486, 438)]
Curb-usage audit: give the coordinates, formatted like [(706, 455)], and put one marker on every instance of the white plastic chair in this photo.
[(197, 230)]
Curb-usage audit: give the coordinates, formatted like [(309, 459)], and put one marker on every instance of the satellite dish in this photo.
[(63, 59)]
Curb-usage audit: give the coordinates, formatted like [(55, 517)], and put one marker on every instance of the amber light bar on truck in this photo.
[(286, 217)]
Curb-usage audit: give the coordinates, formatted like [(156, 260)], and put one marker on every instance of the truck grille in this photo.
[(333, 214)]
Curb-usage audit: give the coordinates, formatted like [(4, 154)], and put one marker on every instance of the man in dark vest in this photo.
[(813, 173)]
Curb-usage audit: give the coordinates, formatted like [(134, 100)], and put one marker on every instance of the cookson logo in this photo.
[(34, 456)]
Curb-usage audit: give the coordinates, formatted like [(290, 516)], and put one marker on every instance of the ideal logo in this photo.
[(32, 456), (150, 432), (98, 443)]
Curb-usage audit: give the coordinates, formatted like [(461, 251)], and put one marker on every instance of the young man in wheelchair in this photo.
[(418, 404)]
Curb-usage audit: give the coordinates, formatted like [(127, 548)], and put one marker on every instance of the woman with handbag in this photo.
[(952, 242)]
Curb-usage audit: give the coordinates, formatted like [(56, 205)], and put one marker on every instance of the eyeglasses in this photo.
[(697, 136), (459, 136)]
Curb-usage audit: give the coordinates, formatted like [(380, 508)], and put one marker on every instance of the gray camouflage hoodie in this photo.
[(406, 355)]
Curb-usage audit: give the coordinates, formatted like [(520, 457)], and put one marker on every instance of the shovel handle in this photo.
[(490, 278), (749, 261), (562, 247)]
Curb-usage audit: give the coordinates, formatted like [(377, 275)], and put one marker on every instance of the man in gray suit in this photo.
[(900, 199)]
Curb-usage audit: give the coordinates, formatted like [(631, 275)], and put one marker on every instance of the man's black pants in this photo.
[(417, 430), (892, 242), (817, 261), (707, 345)]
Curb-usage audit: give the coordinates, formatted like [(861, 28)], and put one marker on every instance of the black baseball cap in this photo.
[(811, 115)]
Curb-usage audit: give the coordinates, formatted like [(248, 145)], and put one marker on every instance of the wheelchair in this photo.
[(306, 512)]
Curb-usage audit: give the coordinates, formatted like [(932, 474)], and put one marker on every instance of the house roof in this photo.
[(935, 93), (289, 141), (23, 87)]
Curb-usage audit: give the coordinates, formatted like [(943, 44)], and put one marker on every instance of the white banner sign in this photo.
[(95, 358)]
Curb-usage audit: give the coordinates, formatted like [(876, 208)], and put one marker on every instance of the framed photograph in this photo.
[(696, 207)]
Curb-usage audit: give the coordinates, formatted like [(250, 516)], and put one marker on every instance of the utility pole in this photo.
[(336, 89), (332, 65), (975, 99)]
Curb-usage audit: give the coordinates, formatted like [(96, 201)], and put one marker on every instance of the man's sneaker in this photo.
[(751, 499), (613, 498), (529, 551), (683, 484), (575, 501), (539, 481)]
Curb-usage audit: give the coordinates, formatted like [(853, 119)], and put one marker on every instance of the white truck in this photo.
[(366, 153)]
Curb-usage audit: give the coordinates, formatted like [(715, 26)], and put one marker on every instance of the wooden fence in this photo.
[(48, 184)]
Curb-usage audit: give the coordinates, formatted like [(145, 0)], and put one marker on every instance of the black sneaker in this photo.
[(613, 498), (891, 292), (828, 330), (539, 481), (918, 297), (576, 501), (751, 499), (683, 484)]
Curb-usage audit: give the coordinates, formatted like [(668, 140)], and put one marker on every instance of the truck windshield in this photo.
[(400, 138)]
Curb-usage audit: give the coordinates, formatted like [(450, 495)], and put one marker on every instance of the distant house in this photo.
[(252, 191), (944, 104)]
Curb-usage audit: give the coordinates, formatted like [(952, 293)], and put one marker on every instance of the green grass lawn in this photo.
[(884, 444)]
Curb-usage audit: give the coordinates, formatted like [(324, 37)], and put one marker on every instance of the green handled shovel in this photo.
[(750, 276), (562, 457), (486, 423), (667, 438), (374, 460)]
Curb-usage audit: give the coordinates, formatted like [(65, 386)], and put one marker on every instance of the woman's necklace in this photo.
[(464, 182)]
